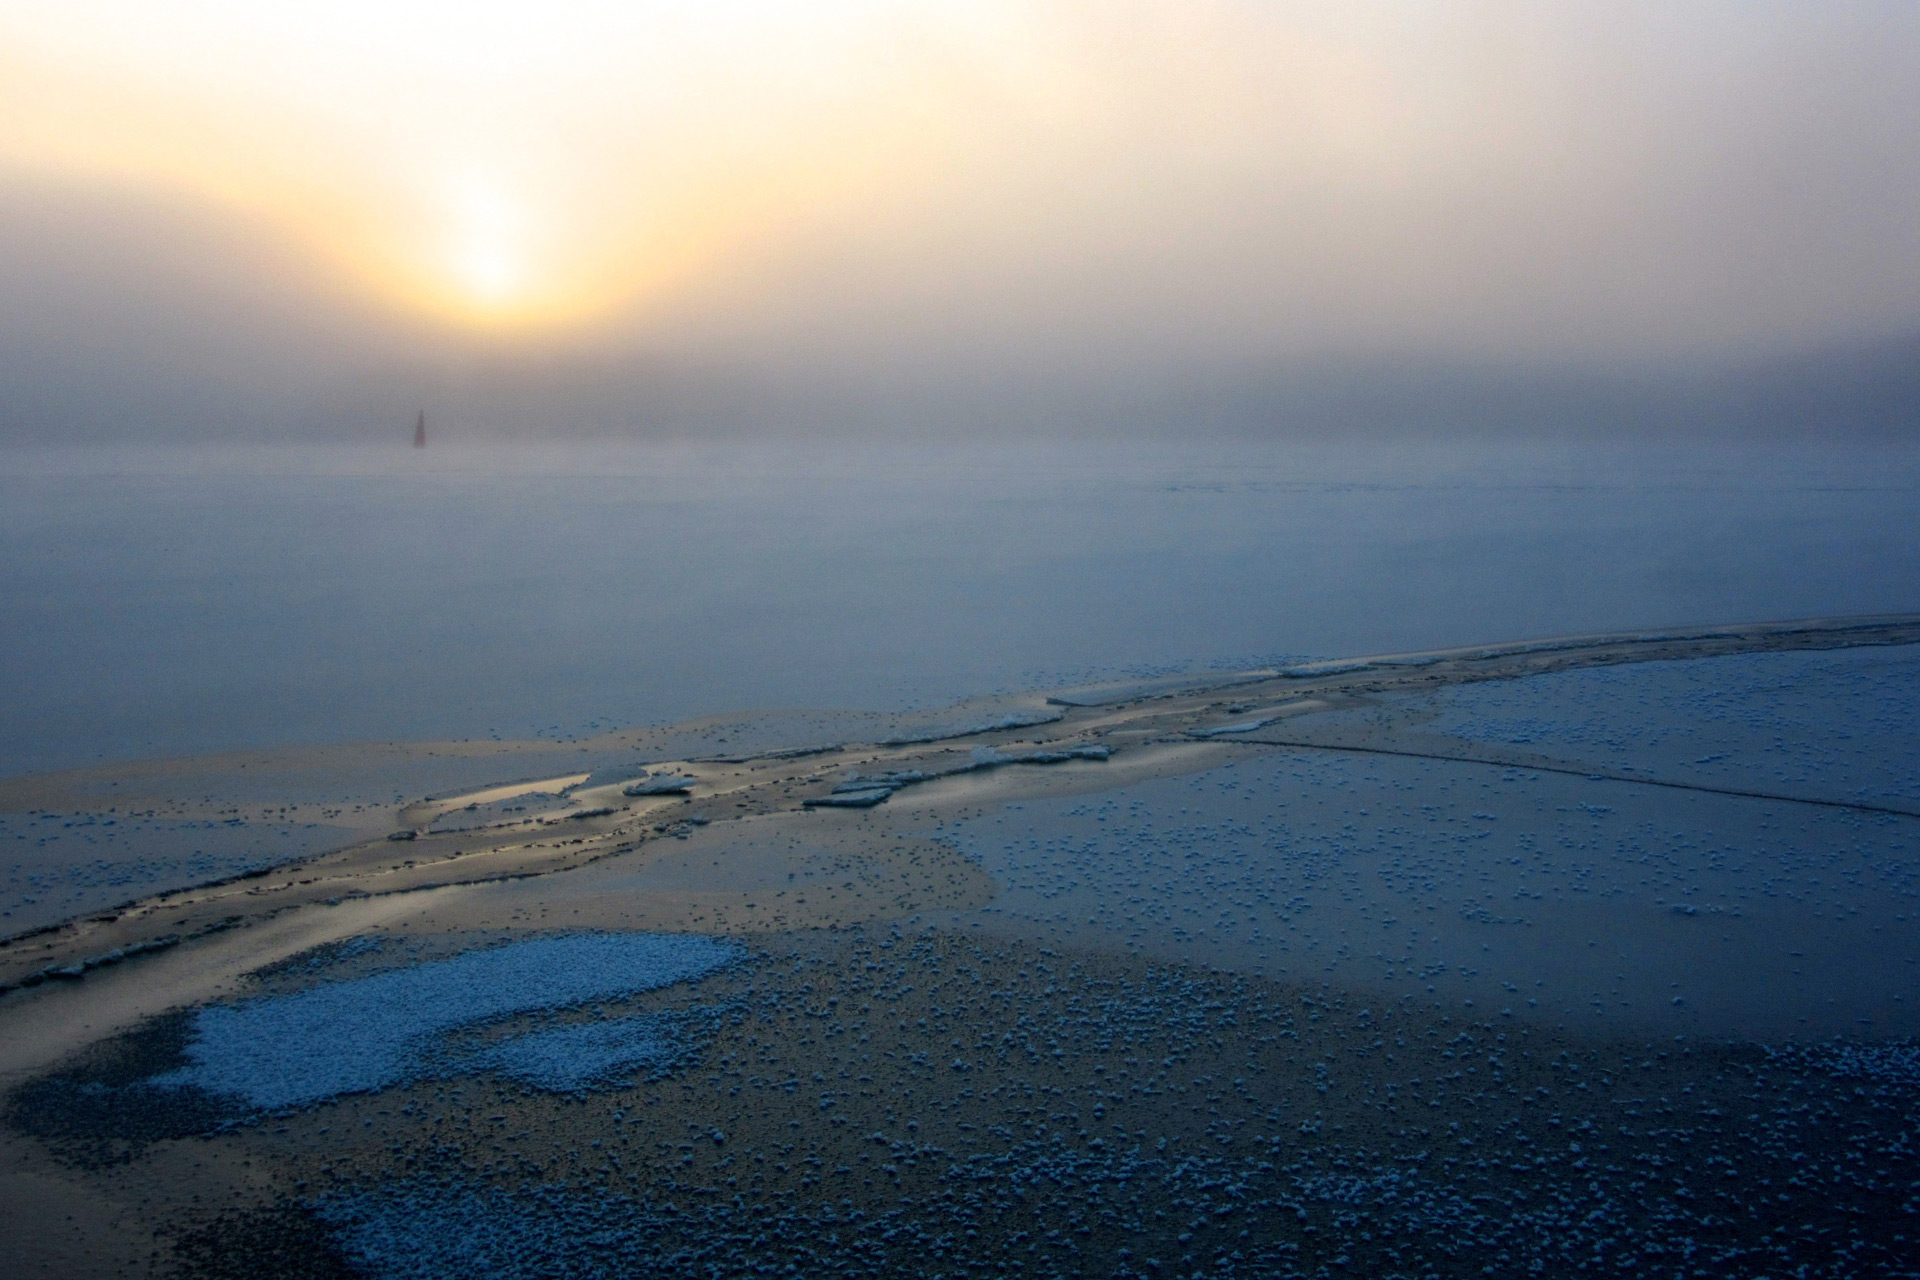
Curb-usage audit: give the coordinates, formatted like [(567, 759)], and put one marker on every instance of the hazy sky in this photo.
[(553, 211)]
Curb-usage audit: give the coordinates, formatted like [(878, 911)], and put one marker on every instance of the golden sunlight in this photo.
[(487, 251), (500, 162), (510, 165)]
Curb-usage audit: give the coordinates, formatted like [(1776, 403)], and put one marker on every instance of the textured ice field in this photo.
[(1843, 724), (363, 1034), (55, 866), (1533, 895)]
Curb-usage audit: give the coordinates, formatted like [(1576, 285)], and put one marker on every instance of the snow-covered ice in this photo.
[(1841, 724), (580, 1055), (363, 1034)]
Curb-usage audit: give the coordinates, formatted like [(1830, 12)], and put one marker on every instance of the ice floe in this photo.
[(659, 784), (1259, 721), (1091, 751), (862, 792), (864, 798), (80, 968), (1012, 720), (607, 777), (1111, 695), (528, 806)]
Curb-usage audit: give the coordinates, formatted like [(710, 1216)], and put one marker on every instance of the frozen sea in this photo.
[(1425, 1001), (181, 601)]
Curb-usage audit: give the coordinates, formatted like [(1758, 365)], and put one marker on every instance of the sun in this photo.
[(511, 164), (487, 250)]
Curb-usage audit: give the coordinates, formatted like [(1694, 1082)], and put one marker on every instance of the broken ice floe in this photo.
[(859, 792), (1238, 726), (992, 758), (1337, 667), (659, 784), (1270, 716), (905, 777), (364, 1034), (607, 777), (1012, 720), (84, 966), (528, 806), (1111, 695), (862, 798)]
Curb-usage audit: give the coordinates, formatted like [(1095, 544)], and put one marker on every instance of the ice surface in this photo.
[(364, 1034), (860, 798), (612, 774), (993, 757), (659, 784), (1880, 1064), (1111, 695), (470, 594), (1223, 730), (575, 1057), (1840, 724), (859, 792), (1086, 751), (880, 781), (965, 728), (60, 865), (529, 806), (1259, 720), (1594, 904)]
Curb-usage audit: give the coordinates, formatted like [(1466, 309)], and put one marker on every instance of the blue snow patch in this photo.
[(574, 1058), (364, 1034)]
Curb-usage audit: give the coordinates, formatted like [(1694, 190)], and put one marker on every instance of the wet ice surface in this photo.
[(1594, 905), (55, 866), (1841, 724), (359, 1035)]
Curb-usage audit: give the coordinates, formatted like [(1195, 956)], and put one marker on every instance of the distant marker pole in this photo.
[(420, 431)]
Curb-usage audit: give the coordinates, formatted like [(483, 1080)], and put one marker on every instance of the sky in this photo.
[(239, 217)]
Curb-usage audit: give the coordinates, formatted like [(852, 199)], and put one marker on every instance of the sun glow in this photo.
[(1297, 175), (487, 254), (600, 153)]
